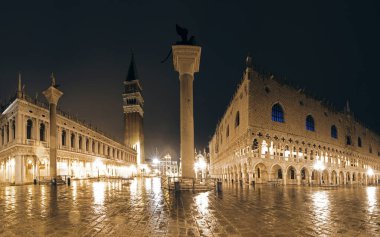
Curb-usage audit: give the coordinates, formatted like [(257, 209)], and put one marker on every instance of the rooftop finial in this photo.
[(52, 79), (19, 82), (19, 86), (248, 61), (348, 107)]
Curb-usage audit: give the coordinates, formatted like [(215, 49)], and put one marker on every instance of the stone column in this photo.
[(298, 178), (52, 95), (19, 170), (186, 59)]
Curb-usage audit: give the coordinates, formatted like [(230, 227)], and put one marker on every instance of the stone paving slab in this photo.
[(108, 208)]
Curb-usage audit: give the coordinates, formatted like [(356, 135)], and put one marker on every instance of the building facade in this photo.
[(82, 150), (168, 167), (272, 132), (133, 113)]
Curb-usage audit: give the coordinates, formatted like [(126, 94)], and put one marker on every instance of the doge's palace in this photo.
[(274, 133)]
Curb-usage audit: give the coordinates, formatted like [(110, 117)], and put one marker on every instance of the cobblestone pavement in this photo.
[(108, 208)]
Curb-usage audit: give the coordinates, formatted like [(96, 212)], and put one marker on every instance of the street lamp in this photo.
[(320, 167)]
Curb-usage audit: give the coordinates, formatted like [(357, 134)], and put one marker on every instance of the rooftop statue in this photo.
[(182, 32)]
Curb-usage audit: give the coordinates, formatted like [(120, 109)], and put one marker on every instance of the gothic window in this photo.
[(2, 136), (80, 142), (348, 140), (42, 132), (237, 119), (310, 123), (370, 149), (228, 131), (72, 140), (63, 138), (334, 132), (359, 142), (277, 113), (29, 125), (258, 172), (14, 129), (93, 146)]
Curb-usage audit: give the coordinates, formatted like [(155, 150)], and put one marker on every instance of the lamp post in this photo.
[(320, 167)]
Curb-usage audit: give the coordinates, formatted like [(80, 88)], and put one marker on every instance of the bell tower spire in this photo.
[(133, 112)]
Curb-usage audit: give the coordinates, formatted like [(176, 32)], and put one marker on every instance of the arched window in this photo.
[(42, 132), (334, 132), (277, 113), (370, 149), (258, 172), (348, 140), (237, 119), (93, 146), (228, 131), (63, 138), (87, 144), (14, 129), (310, 123), (80, 142), (29, 126), (72, 139), (359, 142)]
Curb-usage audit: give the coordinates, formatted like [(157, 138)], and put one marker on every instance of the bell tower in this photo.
[(133, 112)]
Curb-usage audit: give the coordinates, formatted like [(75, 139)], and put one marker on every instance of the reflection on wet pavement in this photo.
[(111, 208)]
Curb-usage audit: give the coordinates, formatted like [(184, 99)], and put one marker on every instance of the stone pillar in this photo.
[(329, 178), (52, 95), (186, 59), (19, 170), (298, 178), (19, 127)]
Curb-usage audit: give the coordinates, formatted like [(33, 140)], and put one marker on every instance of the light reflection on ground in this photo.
[(142, 208)]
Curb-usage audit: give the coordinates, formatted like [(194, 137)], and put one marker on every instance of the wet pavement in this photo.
[(109, 208)]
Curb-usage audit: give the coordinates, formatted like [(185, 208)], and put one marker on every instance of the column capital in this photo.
[(52, 94), (186, 58)]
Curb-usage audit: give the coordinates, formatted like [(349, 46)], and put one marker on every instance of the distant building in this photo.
[(202, 164), (83, 151), (272, 132), (168, 167)]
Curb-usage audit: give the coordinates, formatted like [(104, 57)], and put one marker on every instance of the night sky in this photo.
[(330, 48)]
